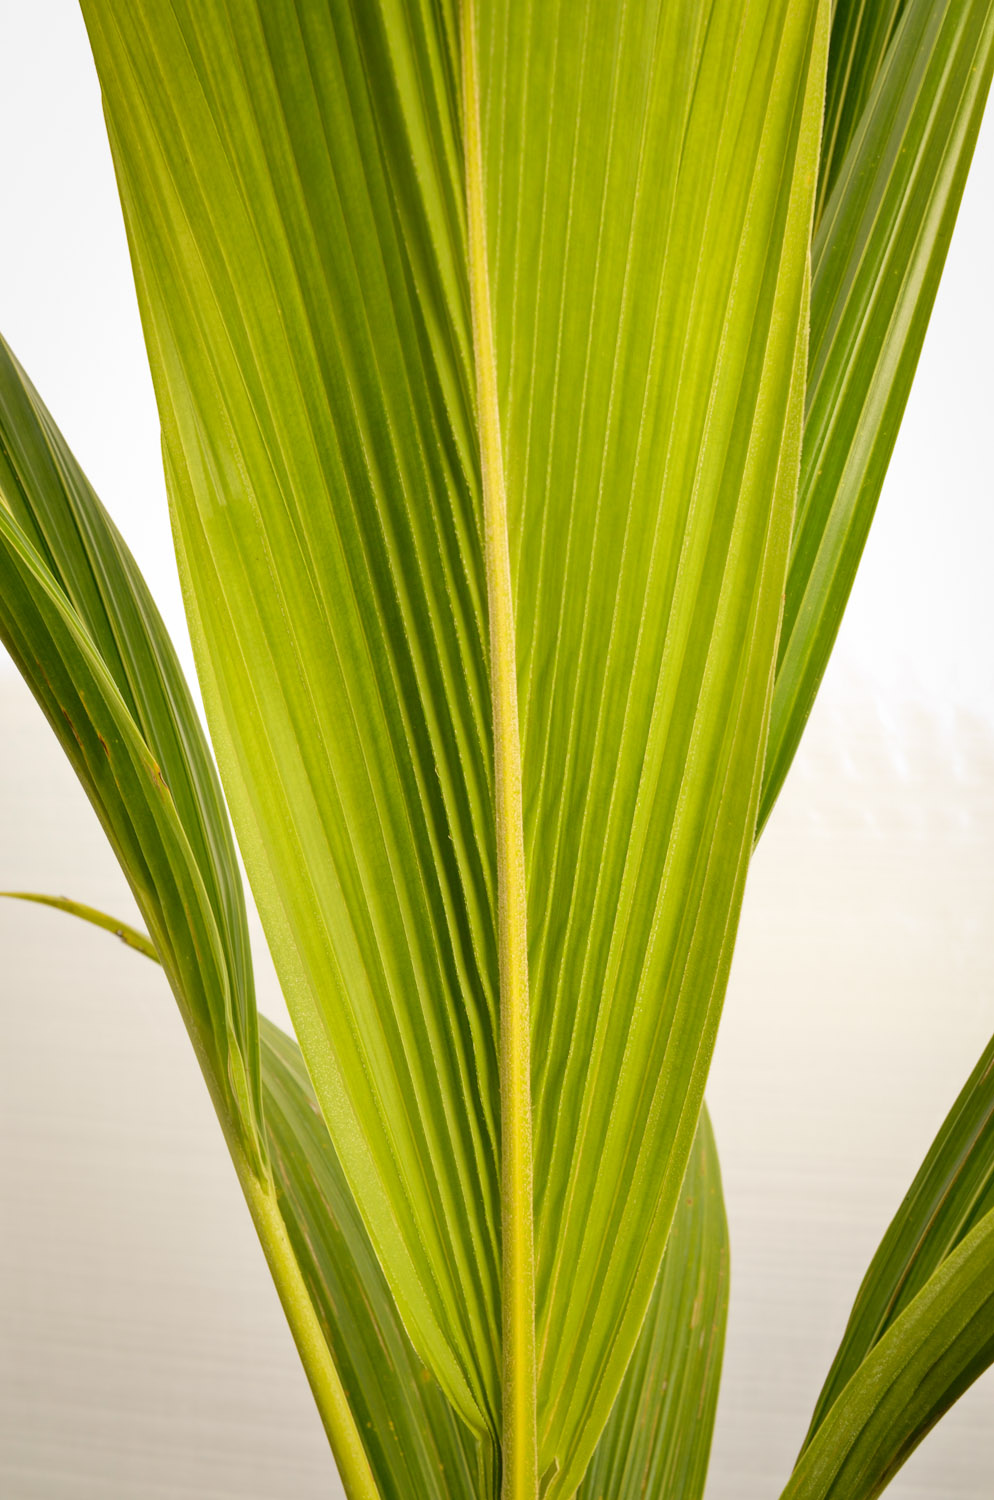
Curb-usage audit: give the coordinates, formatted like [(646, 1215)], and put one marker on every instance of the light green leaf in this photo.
[(953, 1190), (658, 1440), (650, 359), (927, 1358), (907, 88), (293, 185), (319, 441)]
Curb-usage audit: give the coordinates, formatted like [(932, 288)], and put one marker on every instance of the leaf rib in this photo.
[(518, 1374)]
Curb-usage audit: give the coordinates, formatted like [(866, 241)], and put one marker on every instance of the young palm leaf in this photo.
[(479, 337), (482, 458)]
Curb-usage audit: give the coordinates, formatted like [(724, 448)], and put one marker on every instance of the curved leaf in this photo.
[(81, 625), (896, 165), (928, 1357), (130, 936), (126, 787), (953, 1191), (293, 184)]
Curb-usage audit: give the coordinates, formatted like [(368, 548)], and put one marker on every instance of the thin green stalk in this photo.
[(308, 1335), (263, 1204), (519, 1442), (260, 1195)]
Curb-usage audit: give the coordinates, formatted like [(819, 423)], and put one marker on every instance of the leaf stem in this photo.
[(519, 1444), (263, 1205), (308, 1334)]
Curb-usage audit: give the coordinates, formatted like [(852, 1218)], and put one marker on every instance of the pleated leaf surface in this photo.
[(649, 192), (292, 177), (291, 184)]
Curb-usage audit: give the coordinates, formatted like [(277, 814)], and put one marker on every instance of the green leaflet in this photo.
[(952, 1192), (80, 624), (907, 88), (293, 184), (927, 1358)]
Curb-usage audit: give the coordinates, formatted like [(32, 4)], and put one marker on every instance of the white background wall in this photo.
[(141, 1352)]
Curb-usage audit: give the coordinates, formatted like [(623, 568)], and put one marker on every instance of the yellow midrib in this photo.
[(519, 1456)]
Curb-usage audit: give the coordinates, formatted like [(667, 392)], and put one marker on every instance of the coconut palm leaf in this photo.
[(482, 458)]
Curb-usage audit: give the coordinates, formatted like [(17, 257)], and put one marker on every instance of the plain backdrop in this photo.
[(142, 1353)]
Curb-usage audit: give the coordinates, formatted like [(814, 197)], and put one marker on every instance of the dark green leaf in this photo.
[(952, 1192), (927, 1358), (80, 624)]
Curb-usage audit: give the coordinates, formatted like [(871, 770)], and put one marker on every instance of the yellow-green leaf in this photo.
[(305, 202)]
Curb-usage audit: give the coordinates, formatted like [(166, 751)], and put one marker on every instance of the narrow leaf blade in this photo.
[(129, 936), (79, 621), (877, 256), (927, 1358), (953, 1190)]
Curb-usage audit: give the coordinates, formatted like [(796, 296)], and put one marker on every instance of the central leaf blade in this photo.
[(294, 179)]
